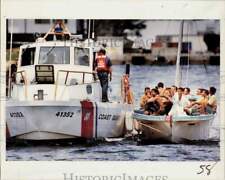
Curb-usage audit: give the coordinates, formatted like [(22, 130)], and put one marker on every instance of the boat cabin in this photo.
[(51, 70)]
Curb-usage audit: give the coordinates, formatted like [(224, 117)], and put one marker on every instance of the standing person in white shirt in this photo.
[(179, 103)]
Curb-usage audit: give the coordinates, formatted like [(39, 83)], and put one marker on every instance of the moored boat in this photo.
[(56, 94)]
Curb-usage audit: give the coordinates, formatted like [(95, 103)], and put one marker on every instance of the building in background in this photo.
[(167, 28), (114, 47), (131, 39)]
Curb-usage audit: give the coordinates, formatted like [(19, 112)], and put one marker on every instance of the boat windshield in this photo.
[(81, 56), (54, 55)]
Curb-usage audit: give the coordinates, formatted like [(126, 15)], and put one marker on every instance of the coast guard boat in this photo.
[(55, 93)]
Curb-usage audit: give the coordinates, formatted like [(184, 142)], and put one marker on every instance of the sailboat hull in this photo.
[(191, 130), (174, 129)]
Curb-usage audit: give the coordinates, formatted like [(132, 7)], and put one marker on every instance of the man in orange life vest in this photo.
[(103, 67)]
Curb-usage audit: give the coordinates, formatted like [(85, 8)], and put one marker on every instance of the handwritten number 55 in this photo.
[(205, 168)]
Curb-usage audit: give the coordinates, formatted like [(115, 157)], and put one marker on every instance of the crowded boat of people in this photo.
[(178, 101)]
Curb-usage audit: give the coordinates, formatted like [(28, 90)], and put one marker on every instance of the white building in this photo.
[(192, 28)]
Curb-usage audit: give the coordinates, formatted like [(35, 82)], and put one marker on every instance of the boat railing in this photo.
[(23, 80), (67, 75)]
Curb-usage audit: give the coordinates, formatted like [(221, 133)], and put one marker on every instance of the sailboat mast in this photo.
[(178, 69)]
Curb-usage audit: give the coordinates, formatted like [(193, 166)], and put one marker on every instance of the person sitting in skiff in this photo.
[(152, 107), (167, 93), (145, 97), (173, 90), (166, 100), (165, 105), (199, 106), (187, 92), (212, 102), (199, 93), (160, 88), (157, 105), (179, 103)]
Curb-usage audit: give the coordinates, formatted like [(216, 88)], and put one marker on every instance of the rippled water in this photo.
[(128, 149)]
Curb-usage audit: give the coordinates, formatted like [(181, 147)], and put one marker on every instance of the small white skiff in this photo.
[(174, 128)]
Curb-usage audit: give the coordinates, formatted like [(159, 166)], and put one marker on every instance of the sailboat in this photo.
[(175, 128)]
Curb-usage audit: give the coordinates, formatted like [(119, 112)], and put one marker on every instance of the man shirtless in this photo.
[(199, 106), (145, 97)]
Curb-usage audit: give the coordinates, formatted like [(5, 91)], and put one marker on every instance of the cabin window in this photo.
[(81, 56), (27, 57), (54, 55)]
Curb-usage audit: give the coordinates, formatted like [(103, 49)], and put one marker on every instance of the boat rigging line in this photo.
[(188, 56)]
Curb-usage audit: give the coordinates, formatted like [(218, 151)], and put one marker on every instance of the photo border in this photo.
[(142, 9)]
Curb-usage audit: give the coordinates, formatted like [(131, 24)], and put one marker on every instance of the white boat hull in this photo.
[(174, 129), (42, 120), (154, 130), (190, 130)]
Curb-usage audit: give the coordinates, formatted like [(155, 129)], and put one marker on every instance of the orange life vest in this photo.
[(101, 63)]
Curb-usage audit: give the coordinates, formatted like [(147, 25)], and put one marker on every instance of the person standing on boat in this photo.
[(179, 103), (103, 68)]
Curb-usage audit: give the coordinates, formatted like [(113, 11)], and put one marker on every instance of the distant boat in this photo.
[(56, 93), (175, 128)]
